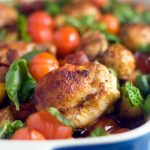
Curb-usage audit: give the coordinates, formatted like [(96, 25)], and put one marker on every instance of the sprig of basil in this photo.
[(60, 117), (99, 131), (22, 28), (133, 94), (19, 82), (9, 128)]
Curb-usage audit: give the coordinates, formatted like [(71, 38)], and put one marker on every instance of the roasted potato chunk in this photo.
[(128, 111), (135, 35), (93, 44), (81, 93), (121, 59)]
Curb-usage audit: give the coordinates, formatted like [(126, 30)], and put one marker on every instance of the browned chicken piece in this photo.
[(83, 8), (12, 51), (5, 115), (8, 15), (3, 92), (81, 93), (78, 58), (135, 35), (3, 71), (94, 44), (121, 59)]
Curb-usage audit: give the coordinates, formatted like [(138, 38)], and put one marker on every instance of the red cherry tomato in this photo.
[(41, 34), (41, 64), (66, 39), (27, 134), (99, 3), (40, 18), (49, 126), (40, 26), (111, 22), (143, 62)]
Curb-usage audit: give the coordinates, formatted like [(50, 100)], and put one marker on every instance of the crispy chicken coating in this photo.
[(93, 43), (135, 35), (81, 93), (8, 15), (12, 51), (121, 59)]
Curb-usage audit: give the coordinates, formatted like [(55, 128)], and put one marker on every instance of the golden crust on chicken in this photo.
[(121, 59), (8, 15), (81, 93)]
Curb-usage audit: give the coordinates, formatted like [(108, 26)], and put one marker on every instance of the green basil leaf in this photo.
[(9, 128), (30, 55), (111, 38), (99, 131), (60, 117), (146, 17), (52, 8), (146, 105), (19, 82), (3, 33), (132, 93), (143, 83), (144, 48), (22, 28)]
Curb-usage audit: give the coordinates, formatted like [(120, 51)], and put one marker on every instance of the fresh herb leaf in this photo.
[(145, 48), (146, 17), (52, 8), (99, 131), (60, 117), (30, 55), (146, 105), (132, 93), (19, 82), (143, 83), (112, 38), (9, 128), (22, 28)]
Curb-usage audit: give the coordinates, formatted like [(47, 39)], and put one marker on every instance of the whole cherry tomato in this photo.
[(41, 34), (66, 39), (49, 126), (99, 3), (40, 18), (41, 64), (111, 22), (40, 26), (27, 134)]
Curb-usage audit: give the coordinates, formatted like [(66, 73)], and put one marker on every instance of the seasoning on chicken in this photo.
[(121, 59), (81, 9), (94, 44), (81, 93), (8, 15), (12, 51), (135, 35)]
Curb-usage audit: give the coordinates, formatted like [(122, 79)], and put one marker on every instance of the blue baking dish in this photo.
[(137, 139)]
